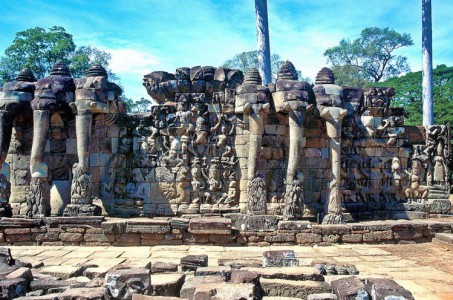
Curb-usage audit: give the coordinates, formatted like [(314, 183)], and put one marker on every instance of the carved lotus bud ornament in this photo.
[(287, 71), (26, 75), (253, 77), (96, 70), (325, 76), (60, 69)]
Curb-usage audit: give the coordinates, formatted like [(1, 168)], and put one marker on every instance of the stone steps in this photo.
[(445, 240)]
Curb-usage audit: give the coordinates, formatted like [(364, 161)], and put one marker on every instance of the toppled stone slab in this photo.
[(144, 297), (295, 273), (123, 283), (12, 288), (290, 288), (349, 288), (322, 296), (225, 272), (225, 291), (22, 272), (62, 272), (383, 288), (167, 284), (210, 226), (163, 267), (148, 226), (280, 258), (191, 283), (237, 263), (192, 262), (85, 293), (245, 276), (49, 285), (445, 237)]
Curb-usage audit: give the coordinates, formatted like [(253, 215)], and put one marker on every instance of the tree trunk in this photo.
[(427, 62), (262, 35)]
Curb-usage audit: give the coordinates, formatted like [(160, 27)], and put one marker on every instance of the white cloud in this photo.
[(131, 61)]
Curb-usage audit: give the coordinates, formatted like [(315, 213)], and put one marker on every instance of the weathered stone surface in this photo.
[(225, 291), (210, 226), (148, 226), (237, 263), (191, 283), (123, 283), (22, 272), (163, 267), (290, 288), (349, 288), (215, 271), (86, 293), (13, 288), (280, 258), (322, 296), (192, 262), (167, 284), (245, 276), (62, 272), (255, 223), (383, 288), (293, 273), (144, 297)]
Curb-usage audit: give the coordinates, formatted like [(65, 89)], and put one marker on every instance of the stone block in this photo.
[(71, 237), (191, 283), (167, 284), (192, 262), (22, 272), (322, 296), (280, 258), (383, 288), (13, 288), (349, 288), (290, 288), (210, 226), (163, 267), (237, 263), (148, 226), (293, 273), (224, 290), (308, 238), (255, 223), (121, 284), (223, 271), (378, 236), (62, 272), (244, 276)]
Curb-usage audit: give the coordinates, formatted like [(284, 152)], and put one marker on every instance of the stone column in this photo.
[(90, 97), (333, 117)]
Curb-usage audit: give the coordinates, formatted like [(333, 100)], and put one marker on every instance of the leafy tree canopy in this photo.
[(246, 60), (39, 50), (369, 58), (408, 89)]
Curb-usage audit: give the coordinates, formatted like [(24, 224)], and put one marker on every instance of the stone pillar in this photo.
[(52, 95), (427, 64), (329, 99), (14, 100), (91, 96), (333, 117)]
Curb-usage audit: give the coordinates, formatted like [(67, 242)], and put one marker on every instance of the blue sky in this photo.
[(145, 36)]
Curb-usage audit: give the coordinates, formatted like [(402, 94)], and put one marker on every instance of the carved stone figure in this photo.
[(92, 97), (257, 196), (14, 101), (329, 98), (294, 204), (52, 95), (416, 191)]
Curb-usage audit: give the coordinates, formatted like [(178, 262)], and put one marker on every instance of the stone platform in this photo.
[(423, 269), (99, 231)]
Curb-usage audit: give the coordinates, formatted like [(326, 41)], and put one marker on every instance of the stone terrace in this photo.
[(423, 269)]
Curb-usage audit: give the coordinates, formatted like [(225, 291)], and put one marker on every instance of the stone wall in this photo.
[(210, 231)]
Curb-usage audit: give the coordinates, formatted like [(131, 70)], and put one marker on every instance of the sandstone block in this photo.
[(349, 288), (191, 283), (210, 226), (290, 288)]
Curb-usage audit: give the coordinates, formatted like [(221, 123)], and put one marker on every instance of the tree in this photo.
[(262, 37), (246, 60), (371, 56), (39, 50), (408, 89)]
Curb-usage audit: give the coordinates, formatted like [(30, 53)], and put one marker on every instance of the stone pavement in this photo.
[(424, 269)]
